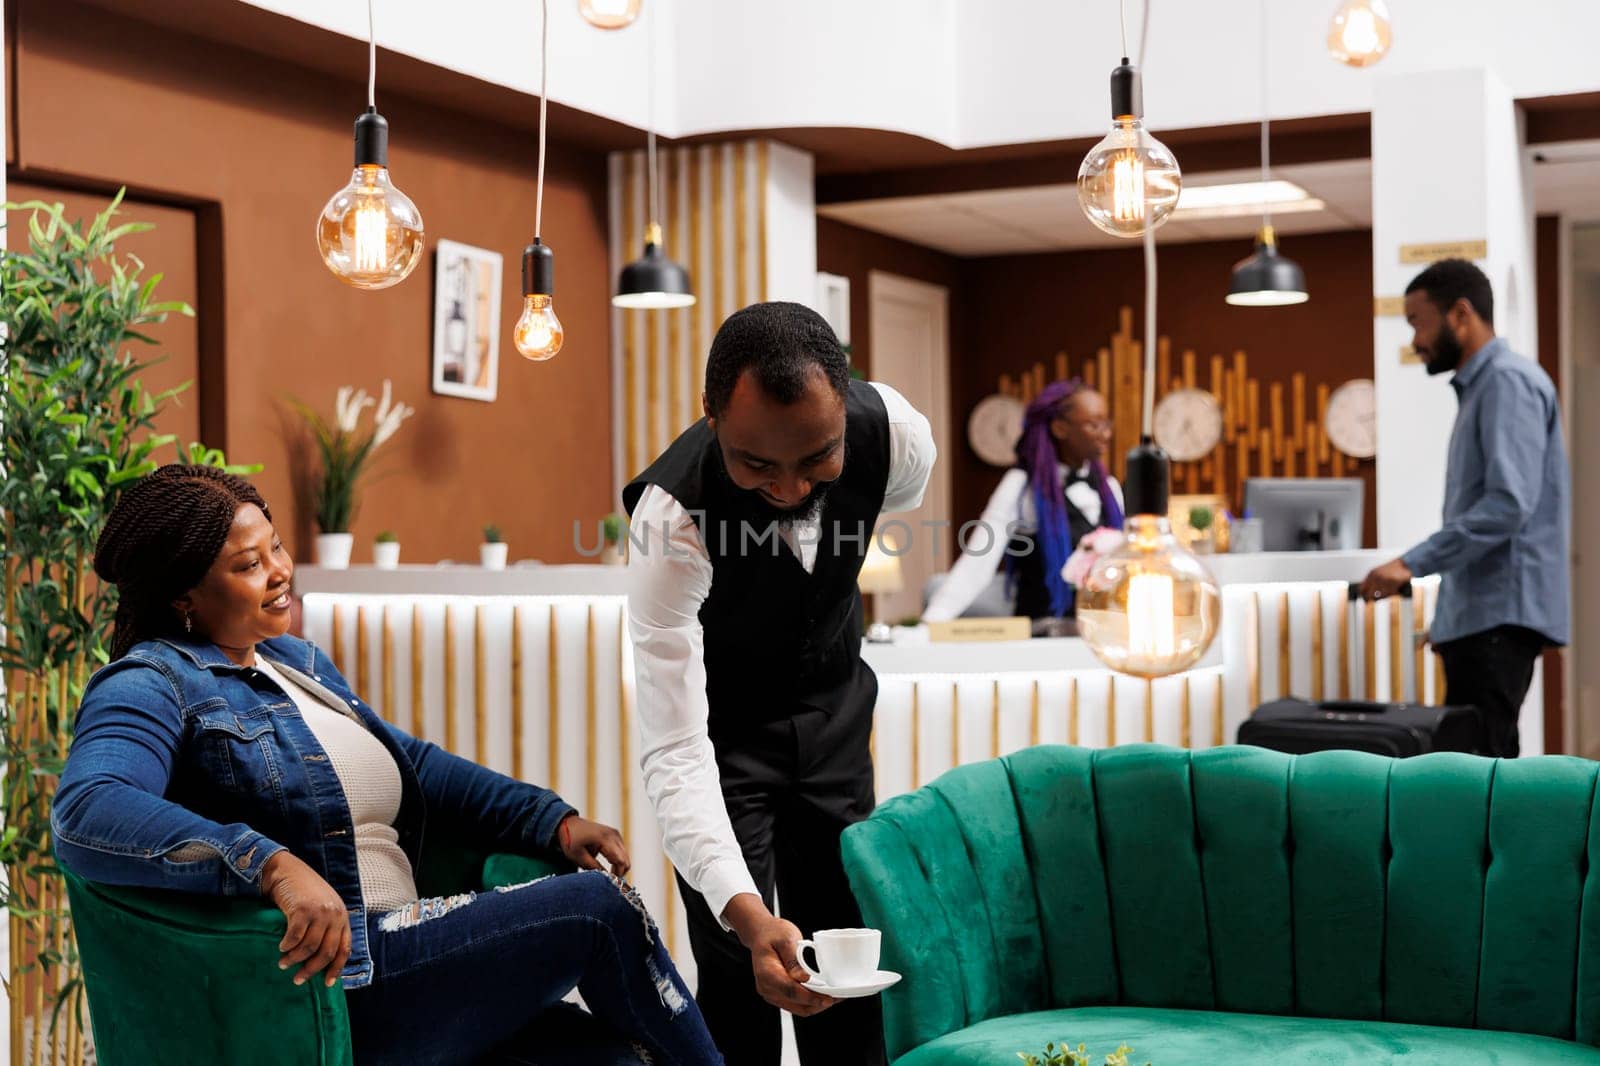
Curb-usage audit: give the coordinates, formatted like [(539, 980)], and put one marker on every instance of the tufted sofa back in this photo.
[(1444, 890)]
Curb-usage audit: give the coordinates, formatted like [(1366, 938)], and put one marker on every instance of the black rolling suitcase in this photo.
[(1397, 729), (1400, 730)]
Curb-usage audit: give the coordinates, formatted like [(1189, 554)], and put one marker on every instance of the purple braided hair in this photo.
[(1036, 454)]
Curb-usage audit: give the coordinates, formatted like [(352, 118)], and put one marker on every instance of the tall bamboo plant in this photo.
[(76, 426)]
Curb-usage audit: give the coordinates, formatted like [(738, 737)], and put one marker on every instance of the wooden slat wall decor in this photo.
[(1284, 437), (715, 223)]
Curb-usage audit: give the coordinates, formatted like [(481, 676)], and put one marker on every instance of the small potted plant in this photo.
[(492, 552), (345, 450), (386, 550), (1200, 520), (611, 531)]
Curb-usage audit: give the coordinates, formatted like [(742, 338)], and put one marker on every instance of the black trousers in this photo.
[(1492, 671), (791, 786)]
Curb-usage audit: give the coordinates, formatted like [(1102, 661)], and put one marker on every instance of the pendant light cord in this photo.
[(544, 98), (1122, 20), (372, 59), (1149, 273), (650, 119), (1266, 143)]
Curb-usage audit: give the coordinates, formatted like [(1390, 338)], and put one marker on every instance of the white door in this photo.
[(909, 324)]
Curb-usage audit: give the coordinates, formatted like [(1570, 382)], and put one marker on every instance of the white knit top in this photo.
[(371, 783)]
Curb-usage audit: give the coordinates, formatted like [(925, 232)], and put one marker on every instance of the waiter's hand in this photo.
[(1386, 580), (780, 980)]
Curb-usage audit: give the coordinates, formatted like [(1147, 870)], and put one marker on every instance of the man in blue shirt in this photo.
[(1502, 552)]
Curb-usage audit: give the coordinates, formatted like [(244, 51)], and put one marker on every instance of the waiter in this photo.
[(754, 704)]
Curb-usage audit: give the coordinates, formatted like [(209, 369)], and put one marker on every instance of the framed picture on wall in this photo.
[(466, 321)]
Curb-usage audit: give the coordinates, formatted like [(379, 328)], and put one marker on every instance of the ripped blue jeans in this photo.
[(479, 979)]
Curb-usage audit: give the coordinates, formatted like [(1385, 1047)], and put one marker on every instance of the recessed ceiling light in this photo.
[(1243, 198)]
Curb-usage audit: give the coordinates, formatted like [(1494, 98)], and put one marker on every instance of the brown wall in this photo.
[(1023, 309), (254, 147), (854, 253)]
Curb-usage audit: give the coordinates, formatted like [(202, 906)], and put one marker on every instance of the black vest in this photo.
[(774, 634), (1033, 597)]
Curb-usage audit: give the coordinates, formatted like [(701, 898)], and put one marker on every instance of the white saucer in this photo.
[(856, 990)]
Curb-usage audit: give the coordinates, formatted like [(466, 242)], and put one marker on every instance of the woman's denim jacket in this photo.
[(175, 745)]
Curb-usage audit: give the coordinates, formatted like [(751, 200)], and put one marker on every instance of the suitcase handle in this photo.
[(1356, 706), (1352, 591)]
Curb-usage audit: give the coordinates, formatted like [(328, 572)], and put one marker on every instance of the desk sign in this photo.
[(980, 629), (1432, 253)]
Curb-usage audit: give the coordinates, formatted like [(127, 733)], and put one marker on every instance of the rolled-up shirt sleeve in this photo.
[(669, 577), (1515, 425)]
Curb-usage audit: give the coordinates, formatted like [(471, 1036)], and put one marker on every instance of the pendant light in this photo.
[(1129, 179), (1360, 34), (538, 333), (370, 233), (653, 280), (1265, 278), (1148, 607), (609, 14)]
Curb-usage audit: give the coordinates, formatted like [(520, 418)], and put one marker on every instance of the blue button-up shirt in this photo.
[(1502, 552)]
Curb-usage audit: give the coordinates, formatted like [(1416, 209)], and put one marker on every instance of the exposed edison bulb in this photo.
[(1129, 180), (1360, 34), (538, 333), (370, 233), (609, 14), (1149, 608)]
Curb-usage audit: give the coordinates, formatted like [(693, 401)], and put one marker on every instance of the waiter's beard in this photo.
[(1445, 353), (784, 518)]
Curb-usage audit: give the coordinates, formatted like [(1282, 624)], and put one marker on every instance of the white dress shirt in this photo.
[(1010, 508), (667, 583)]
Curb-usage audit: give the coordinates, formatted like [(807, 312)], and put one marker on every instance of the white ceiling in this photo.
[(1046, 218)]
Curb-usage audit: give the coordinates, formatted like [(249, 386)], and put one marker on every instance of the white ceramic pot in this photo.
[(333, 550), (492, 556), (386, 554), (613, 555)]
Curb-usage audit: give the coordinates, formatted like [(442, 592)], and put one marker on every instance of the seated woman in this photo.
[(1056, 495), (215, 754)]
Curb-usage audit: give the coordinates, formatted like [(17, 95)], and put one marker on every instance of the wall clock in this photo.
[(993, 429), (1188, 424), (1352, 421)]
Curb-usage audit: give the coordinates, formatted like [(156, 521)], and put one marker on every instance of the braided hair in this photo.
[(1036, 454), (160, 539)]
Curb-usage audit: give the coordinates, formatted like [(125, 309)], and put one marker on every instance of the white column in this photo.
[(791, 221), (1447, 166)]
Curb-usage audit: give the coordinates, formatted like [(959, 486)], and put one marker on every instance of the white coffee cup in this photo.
[(844, 956)]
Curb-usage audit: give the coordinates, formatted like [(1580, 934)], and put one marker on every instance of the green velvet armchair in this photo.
[(1240, 906), (174, 977)]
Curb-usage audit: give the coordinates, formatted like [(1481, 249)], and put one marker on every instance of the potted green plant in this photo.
[(492, 552), (77, 428), (611, 529), (345, 449), (386, 550), (1201, 520)]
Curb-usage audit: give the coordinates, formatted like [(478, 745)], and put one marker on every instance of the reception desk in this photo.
[(529, 671)]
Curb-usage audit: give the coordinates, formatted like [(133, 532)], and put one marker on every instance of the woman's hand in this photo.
[(582, 841), (319, 924)]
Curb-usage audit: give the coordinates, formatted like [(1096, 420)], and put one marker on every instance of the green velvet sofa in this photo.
[(178, 978), (1239, 906)]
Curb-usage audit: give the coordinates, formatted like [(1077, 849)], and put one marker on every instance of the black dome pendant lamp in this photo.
[(653, 281), (1266, 278)]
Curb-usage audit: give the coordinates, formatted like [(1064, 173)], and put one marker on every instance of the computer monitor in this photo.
[(1306, 514)]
